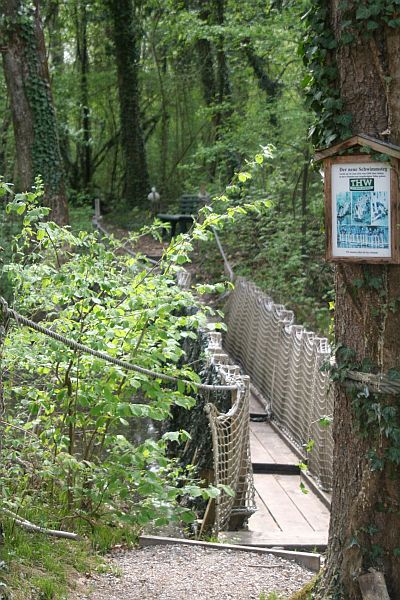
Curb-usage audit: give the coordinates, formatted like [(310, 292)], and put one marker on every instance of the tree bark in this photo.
[(85, 147), (4, 128), (365, 522), (205, 56), (127, 37), (223, 81), (33, 114)]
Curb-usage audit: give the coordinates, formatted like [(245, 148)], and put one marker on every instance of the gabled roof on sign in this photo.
[(359, 140)]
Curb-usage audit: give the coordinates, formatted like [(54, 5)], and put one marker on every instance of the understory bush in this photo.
[(68, 459)]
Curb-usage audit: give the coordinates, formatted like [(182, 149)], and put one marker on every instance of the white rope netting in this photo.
[(231, 442), (284, 361)]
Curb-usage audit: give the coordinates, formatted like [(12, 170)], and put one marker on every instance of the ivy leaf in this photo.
[(325, 421)]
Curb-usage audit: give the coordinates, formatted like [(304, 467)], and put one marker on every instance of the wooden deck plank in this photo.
[(256, 406), (282, 508), (259, 454), (262, 520), (286, 516), (273, 444), (251, 538), (309, 505)]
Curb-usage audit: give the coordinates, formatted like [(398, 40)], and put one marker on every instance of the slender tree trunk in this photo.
[(206, 59), (365, 521), (53, 27), (223, 81), (85, 149), (33, 114), (214, 73), (127, 37), (304, 195), (161, 67), (4, 128)]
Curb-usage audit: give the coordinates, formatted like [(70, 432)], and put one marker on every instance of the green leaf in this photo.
[(184, 401), (171, 436), (188, 517), (303, 488), (243, 177), (139, 410), (325, 421), (181, 386)]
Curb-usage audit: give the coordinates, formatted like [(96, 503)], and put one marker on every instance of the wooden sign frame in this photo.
[(358, 234)]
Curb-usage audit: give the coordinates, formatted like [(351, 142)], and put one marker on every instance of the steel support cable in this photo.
[(9, 312), (228, 267)]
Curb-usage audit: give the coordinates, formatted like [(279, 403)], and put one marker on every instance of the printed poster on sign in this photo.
[(361, 210)]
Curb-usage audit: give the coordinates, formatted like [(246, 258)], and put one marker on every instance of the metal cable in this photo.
[(9, 312), (228, 268)]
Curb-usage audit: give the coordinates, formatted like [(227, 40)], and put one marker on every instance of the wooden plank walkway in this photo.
[(286, 516)]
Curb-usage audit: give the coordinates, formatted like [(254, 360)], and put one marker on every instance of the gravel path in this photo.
[(182, 572)]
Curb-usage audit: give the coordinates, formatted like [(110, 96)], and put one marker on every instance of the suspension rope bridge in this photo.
[(287, 396)]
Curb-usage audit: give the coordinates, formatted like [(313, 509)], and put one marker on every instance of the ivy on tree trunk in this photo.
[(353, 52), (33, 114)]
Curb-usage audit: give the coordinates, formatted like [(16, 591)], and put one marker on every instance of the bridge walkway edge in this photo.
[(286, 517)]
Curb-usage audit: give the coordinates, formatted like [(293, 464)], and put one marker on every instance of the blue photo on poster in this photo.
[(361, 208), (357, 236), (343, 208), (379, 209)]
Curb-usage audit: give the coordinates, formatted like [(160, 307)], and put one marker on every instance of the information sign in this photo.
[(361, 210)]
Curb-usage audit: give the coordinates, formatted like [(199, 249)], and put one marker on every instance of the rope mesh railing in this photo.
[(284, 361), (231, 445)]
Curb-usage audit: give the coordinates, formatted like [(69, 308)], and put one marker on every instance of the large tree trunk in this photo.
[(365, 523), (127, 36), (34, 119)]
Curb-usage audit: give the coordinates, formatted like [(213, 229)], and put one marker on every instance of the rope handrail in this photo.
[(9, 312), (379, 383)]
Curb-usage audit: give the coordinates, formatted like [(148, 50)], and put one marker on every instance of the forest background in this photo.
[(176, 94)]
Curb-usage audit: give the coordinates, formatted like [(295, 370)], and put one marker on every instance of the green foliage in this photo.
[(306, 593), (67, 443), (320, 82), (280, 246)]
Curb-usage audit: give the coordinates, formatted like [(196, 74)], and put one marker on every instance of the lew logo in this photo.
[(362, 185)]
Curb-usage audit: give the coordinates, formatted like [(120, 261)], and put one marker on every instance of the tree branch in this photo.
[(37, 529)]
